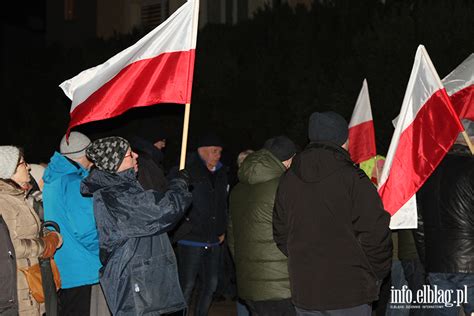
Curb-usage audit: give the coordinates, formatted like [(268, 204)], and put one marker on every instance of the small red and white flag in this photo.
[(426, 129), (361, 128), (157, 69), (459, 85)]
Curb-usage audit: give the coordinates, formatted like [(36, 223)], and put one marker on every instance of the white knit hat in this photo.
[(77, 146), (9, 156)]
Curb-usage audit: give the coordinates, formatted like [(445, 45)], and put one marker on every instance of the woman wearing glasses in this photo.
[(23, 223), (139, 274)]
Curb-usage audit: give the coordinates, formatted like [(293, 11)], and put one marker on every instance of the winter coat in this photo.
[(151, 174), (78, 258), (140, 274), (24, 226), (208, 213), (445, 236), (406, 245), (330, 221), (261, 268), (8, 291)]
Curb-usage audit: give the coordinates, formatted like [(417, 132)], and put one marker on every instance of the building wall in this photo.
[(105, 18), (255, 5), (306, 3), (117, 16), (80, 26)]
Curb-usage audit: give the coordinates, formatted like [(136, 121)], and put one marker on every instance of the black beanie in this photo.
[(107, 153), (209, 140), (328, 126), (281, 147), (158, 135)]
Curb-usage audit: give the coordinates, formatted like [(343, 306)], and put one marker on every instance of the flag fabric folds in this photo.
[(361, 128), (426, 129), (459, 85), (156, 69)]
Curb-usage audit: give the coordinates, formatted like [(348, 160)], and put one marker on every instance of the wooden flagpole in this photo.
[(187, 109), (468, 141), (184, 143)]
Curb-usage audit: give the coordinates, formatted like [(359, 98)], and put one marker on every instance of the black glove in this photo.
[(184, 175)]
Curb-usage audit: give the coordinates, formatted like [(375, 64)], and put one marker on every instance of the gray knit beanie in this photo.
[(9, 157), (107, 153), (76, 148), (328, 126)]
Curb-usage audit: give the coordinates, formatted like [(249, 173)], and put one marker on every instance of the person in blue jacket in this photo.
[(78, 258), (139, 276)]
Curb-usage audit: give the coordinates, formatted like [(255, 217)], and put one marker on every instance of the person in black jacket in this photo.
[(139, 274), (199, 248), (330, 222), (8, 292), (445, 235)]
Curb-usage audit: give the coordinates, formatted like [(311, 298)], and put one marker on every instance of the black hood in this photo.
[(142, 146), (319, 161)]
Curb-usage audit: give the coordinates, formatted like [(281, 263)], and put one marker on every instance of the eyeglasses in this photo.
[(22, 163), (129, 155)]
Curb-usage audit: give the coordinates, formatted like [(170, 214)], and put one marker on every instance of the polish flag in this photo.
[(459, 85), (426, 129), (361, 128), (157, 69)]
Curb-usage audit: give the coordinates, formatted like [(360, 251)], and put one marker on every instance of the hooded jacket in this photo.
[(78, 258), (151, 174), (261, 268), (445, 236), (330, 221), (139, 276)]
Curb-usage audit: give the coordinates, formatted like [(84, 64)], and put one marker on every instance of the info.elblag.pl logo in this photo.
[(429, 295)]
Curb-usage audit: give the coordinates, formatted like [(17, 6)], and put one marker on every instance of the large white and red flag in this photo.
[(361, 128), (425, 131), (157, 69), (459, 85)]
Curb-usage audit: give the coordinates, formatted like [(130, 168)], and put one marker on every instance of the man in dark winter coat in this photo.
[(445, 236), (330, 222), (261, 268), (199, 247), (139, 274)]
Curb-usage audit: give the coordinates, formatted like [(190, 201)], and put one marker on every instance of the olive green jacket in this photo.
[(261, 268)]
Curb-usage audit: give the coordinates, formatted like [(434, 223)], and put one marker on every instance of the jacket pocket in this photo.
[(155, 285)]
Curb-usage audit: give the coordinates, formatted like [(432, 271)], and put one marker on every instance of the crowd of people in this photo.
[(306, 229)]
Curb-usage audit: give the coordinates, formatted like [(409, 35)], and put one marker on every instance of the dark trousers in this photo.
[(415, 276), (75, 301), (361, 310), (271, 308), (414, 273), (202, 263), (226, 286), (380, 306), (463, 282)]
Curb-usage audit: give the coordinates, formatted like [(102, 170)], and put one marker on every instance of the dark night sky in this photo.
[(254, 80)]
